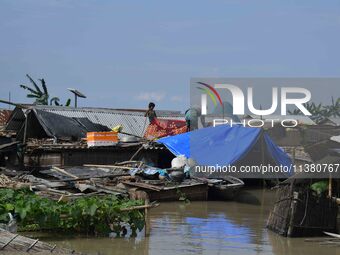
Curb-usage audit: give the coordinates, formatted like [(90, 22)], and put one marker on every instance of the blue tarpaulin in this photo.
[(223, 145)]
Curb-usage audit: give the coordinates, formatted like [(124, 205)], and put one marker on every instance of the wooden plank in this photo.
[(62, 171), (332, 234), (14, 243), (110, 166), (143, 185), (192, 193), (90, 177), (10, 240), (184, 186), (32, 245), (152, 205)]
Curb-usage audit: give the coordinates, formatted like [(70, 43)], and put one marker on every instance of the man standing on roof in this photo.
[(191, 119), (150, 113)]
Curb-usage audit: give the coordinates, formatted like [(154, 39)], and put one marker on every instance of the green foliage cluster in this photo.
[(90, 215), (182, 196), (319, 111), (41, 95)]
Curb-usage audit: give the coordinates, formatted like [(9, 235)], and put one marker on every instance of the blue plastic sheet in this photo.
[(223, 145), (280, 157)]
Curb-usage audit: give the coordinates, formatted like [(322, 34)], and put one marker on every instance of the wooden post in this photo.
[(291, 226), (262, 156), (146, 227), (294, 154), (330, 186), (25, 127), (23, 148)]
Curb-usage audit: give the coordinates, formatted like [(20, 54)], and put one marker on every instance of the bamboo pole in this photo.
[(330, 185), (136, 153), (147, 205), (110, 166)]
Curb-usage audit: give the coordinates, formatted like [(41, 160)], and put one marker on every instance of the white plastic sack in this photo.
[(179, 162)]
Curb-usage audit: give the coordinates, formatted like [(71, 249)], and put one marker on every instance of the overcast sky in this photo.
[(122, 54)]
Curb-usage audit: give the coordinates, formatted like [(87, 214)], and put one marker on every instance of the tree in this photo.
[(333, 110), (320, 111), (41, 95)]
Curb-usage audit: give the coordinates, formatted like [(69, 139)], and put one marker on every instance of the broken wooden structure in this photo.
[(299, 212), (96, 180), (161, 191)]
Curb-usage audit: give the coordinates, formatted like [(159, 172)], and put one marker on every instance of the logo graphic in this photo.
[(239, 99), (212, 92)]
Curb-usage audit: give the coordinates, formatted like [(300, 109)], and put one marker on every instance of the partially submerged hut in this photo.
[(299, 211), (230, 146)]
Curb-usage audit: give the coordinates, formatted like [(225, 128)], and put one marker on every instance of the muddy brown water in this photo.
[(202, 228)]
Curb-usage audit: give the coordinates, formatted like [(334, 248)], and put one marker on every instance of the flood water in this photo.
[(203, 228)]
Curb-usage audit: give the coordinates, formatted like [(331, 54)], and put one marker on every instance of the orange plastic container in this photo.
[(102, 138)]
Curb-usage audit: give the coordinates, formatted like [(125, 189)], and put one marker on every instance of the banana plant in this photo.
[(320, 111), (41, 95), (333, 110)]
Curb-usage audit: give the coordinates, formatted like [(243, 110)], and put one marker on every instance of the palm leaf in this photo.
[(44, 98), (55, 100), (34, 84), (68, 102), (29, 89), (43, 84), (32, 96), (41, 101), (295, 112)]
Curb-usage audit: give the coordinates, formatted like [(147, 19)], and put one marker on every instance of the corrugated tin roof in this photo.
[(4, 116), (133, 122), (16, 119), (301, 119)]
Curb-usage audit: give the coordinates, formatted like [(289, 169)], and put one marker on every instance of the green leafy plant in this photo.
[(182, 196), (90, 215), (41, 95), (320, 111)]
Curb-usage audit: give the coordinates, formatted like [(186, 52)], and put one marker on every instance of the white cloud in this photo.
[(151, 96), (176, 98)]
